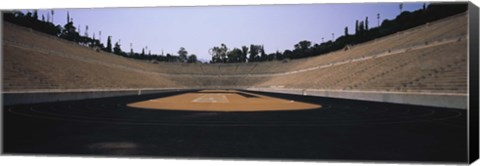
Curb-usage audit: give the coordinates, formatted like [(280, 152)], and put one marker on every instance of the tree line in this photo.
[(252, 53), (363, 33), (71, 33)]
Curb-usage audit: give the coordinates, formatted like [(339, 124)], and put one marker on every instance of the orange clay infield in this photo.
[(224, 101)]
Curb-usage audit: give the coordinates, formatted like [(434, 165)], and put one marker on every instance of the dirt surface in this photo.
[(224, 101)]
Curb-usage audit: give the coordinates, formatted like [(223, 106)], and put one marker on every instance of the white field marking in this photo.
[(211, 98)]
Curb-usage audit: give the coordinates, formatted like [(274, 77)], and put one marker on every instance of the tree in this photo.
[(69, 32), (356, 27), (234, 55), (223, 52), (169, 57), (219, 54), (117, 50), (182, 53), (254, 51), (288, 54), (279, 56), (361, 27), (35, 14), (303, 45), (192, 58), (302, 49), (366, 23), (262, 53), (29, 15), (243, 58), (346, 31), (109, 44), (215, 55), (52, 15)]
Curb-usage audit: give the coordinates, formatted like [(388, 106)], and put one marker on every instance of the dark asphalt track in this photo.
[(340, 130)]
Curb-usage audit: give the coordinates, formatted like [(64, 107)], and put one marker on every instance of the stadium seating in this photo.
[(429, 58)]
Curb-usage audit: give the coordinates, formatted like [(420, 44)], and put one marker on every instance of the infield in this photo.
[(223, 100)]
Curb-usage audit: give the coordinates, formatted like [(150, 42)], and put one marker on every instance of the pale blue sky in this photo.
[(277, 27)]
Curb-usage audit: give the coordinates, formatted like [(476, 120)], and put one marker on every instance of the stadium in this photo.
[(400, 97)]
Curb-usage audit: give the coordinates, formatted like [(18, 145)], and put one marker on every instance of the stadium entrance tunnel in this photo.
[(223, 101)]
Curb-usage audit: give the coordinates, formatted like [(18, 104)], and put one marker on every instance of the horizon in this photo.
[(199, 28)]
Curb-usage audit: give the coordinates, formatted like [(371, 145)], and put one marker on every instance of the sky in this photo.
[(277, 27)]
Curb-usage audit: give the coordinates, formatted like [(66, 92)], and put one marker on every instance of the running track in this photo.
[(340, 130)]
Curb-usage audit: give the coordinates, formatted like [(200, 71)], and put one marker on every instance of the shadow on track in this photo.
[(340, 130)]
